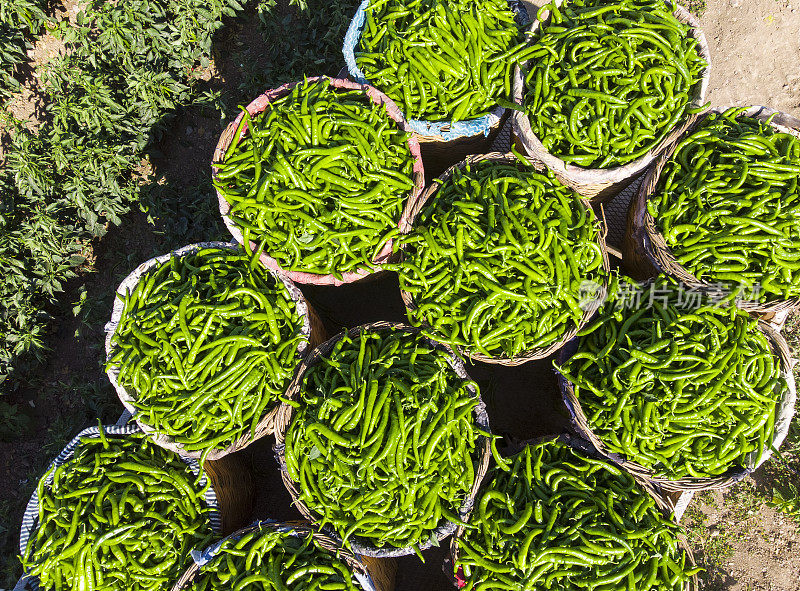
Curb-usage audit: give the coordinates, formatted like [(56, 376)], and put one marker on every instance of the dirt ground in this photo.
[(752, 546), (755, 53)]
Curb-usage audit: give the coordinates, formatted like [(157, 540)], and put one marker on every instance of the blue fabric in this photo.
[(446, 129)]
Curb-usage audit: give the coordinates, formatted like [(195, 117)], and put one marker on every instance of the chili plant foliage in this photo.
[(19, 21), (301, 37), (127, 67), (39, 246)]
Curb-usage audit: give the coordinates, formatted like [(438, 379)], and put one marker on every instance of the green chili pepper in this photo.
[(684, 392), (581, 525), (511, 278), (322, 180), (383, 441), (122, 513), (607, 80), (436, 59), (727, 204), (207, 350), (276, 557)]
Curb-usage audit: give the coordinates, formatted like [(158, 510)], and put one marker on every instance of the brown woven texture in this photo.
[(645, 252), (542, 352), (597, 184), (313, 330), (661, 500), (381, 571), (284, 419), (779, 347), (232, 481), (439, 155), (259, 105)]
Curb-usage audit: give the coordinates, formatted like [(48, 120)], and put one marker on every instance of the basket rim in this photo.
[(649, 238), (259, 105), (785, 405), (128, 400), (360, 545), (662, 501), (615, 174), (541, 352)]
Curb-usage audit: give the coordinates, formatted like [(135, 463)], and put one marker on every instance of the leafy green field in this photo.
[(96, 188), (129, 69)]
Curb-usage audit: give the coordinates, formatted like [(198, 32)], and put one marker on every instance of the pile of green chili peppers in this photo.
[(205, 345), (497, 259), (554, 518), (609, 79), (440, 59), (121, 514), (319, 180), (269, 558), (728, 205), (684, 392), (383, 439)]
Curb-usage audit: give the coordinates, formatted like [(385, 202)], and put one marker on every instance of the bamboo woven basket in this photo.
[(785, 412), (645, 252), (599, 185), (375, 574), (232, 480), (359, 545), (590, 310), (313, 331), (258, 106), (440, 154), (661, 500)]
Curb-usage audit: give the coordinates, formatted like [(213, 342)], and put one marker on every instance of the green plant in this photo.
[(786, 464), (303, 37), (184, 214), (13, 423), (39, 247), (696, 7), (127, 67), (20, 20), (711, 547), (787, 501)]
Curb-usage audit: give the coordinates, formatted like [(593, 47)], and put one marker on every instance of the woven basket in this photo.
[(374, 574), (443, 143), (661, 500), (259, 105), (541, 352), (597, 184), (232, 481), (785, 412), (284, 419), (440, 154), (228, 496), (313, 330), (645, 252)]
